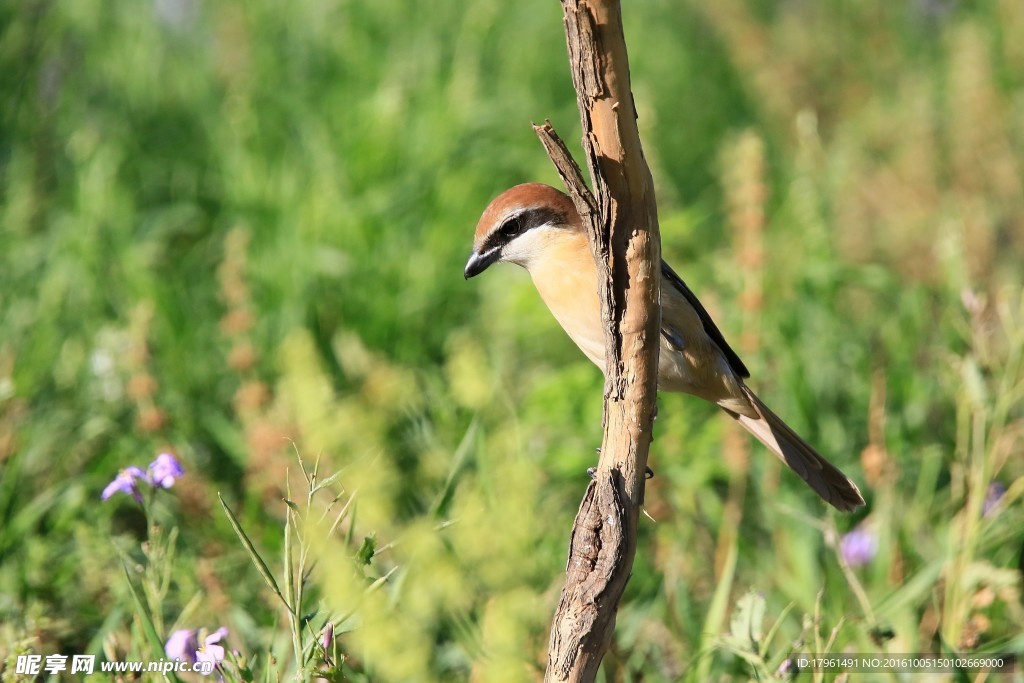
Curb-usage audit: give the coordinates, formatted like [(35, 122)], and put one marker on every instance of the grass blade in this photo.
[(147, 621), (327, 482), (261, 566)]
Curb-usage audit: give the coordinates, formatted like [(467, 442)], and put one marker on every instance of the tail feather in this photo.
[(834, 487)]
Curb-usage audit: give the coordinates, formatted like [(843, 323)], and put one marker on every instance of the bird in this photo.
[(537, 226)]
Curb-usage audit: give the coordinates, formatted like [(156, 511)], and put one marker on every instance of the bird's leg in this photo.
[(648, 472)]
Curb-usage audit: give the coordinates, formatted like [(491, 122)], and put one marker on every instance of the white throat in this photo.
[(529, 245)]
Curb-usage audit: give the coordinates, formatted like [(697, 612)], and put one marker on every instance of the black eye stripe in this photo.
[(520, 222)]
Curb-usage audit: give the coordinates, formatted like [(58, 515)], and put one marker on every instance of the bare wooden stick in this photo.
[(623, 227)]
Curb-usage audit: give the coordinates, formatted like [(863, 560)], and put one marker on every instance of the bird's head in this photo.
[(519, 225)]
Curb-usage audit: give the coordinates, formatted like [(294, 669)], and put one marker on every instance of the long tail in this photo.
[(834, 487)]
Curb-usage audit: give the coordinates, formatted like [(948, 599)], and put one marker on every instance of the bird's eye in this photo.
[(510, 228), (505, 233)]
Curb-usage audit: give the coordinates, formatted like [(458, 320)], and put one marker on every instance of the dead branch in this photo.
[(623, 228)]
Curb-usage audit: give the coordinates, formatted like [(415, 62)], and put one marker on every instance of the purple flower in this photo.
[(996, 490), (164, 470), (859, 546), (183, 644), (211, 650), (788, 669), (125, 483)]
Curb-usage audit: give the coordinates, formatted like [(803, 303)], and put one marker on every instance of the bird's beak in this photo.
[(478, 263)]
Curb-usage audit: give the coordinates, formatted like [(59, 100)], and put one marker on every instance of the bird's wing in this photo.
[(709, 325)]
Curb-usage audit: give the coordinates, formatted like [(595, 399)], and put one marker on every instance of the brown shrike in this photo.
[(537, 227)]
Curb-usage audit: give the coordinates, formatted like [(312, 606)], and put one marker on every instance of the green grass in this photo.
[(237, 231)]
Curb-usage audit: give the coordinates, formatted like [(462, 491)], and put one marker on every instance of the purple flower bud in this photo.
[(328, 638), (164, 470), (787, 669), (996, 490), (859, 546), (125, 483)]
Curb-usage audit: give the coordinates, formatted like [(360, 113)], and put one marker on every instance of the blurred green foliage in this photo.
[(237, 231)]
